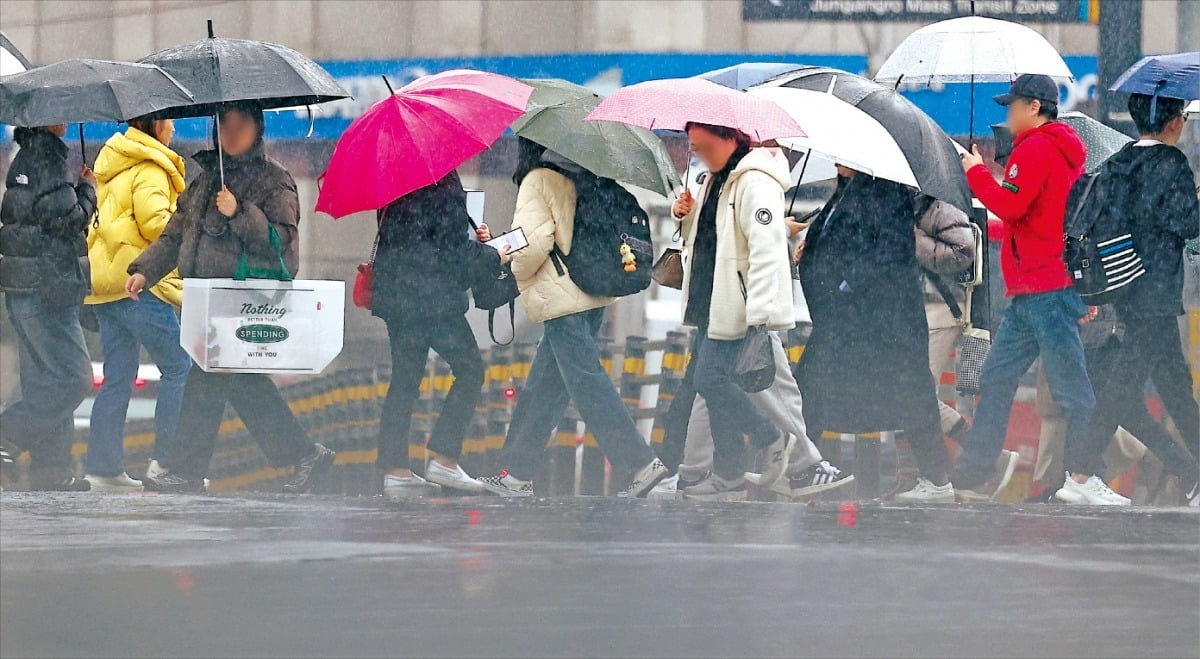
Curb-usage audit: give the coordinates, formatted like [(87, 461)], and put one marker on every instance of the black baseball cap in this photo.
[(1032, 86)]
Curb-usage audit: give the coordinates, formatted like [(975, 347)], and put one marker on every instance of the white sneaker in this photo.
[(154, 469), (455, 478), (667, 489), (927, 492), (113, 484), (779, 454), (646, 478), (408, 488), (1092, 493), (506, 486), (715, 488)]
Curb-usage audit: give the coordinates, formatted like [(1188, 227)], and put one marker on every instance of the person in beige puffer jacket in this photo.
[(567, 364)]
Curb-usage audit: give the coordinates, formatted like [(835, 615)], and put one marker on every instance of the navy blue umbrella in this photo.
[(747, 74), (1170, 76)]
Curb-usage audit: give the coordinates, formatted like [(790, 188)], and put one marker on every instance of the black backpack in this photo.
[(612, 254), (493, 290), (1099, 250)]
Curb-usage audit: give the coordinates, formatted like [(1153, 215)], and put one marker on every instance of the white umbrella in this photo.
[(972, 49), (841, 133), (11, 59)]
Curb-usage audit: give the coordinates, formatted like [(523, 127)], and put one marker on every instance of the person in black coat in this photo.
[(866, 366), (44, 217), (1157, 191), (424, 265)]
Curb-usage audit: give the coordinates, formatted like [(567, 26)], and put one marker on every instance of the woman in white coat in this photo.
[(737, 275)]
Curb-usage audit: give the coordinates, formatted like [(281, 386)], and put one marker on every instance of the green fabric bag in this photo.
[(246, 271)]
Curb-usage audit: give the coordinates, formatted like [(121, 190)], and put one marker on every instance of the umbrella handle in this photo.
[(796, 190), (220, 150), (82, 146)]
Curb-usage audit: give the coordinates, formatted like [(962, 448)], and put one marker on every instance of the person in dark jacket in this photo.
[(424, 265), (44, 218), (1043, 316), (211, 228), (1158, 194), (866, 366)]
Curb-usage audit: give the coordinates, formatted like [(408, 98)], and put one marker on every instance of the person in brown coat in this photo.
[(205, 237)]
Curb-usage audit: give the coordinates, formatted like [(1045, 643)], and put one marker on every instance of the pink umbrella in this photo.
[(670, 104), (416, 136)]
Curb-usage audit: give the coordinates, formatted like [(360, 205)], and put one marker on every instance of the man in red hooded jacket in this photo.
[(1044, 314)]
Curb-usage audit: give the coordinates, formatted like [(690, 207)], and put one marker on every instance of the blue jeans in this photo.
[(567, 367), (56, 375), (1045, 325), (732, 414), (126, 326)]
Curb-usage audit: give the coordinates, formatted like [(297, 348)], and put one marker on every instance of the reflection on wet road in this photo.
[(147, 575)]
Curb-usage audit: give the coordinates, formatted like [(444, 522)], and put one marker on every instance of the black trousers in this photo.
[(257, 401), (1151, 350), (411, 339), (678, 415)]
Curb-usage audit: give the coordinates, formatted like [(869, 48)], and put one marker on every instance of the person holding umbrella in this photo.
[(866, 366), (400, 157), (141, 179), (43, 224), (1045, 312), (1150, 183), (253, 214)]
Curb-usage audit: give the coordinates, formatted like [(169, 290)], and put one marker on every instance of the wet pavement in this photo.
[(147, 575)]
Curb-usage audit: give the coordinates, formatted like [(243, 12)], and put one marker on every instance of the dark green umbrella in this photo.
[(623, 153)]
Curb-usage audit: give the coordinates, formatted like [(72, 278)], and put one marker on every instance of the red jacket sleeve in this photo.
[(1024, 177)]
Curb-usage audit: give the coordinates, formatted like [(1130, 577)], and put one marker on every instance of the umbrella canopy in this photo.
[(416, 136), (1172, 76), (82, 90), (747, 74), (1100, 140), (670, 104), (217, 71), (842, 133), (972, 49), (620, 152), (11, 60), (928, 150)]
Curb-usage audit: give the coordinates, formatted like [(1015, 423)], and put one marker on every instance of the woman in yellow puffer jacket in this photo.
[(140, 178)]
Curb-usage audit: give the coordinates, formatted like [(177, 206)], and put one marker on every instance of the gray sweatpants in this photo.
[(781, 402)]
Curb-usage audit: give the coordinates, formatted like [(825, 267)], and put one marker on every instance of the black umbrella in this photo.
[(83, 90), (930, 151), (220, 71)]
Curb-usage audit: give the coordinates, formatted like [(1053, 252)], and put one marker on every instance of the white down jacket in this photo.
[(752, 282)]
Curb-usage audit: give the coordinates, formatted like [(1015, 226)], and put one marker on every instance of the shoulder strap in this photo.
[(1087, 193), (944, 290)]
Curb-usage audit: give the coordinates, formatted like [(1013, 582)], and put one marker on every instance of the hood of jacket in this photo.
[(1132, 158), (123, 152), (1062, 137), (769, 161)]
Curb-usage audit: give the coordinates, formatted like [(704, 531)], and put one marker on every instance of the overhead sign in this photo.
[(1045, 11)]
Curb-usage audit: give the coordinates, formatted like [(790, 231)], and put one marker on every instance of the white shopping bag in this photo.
[(261, 325)]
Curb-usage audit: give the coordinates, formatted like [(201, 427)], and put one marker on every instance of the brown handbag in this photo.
[(668, 271)]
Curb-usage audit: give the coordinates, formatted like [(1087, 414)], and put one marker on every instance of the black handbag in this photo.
[(755, 368)]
